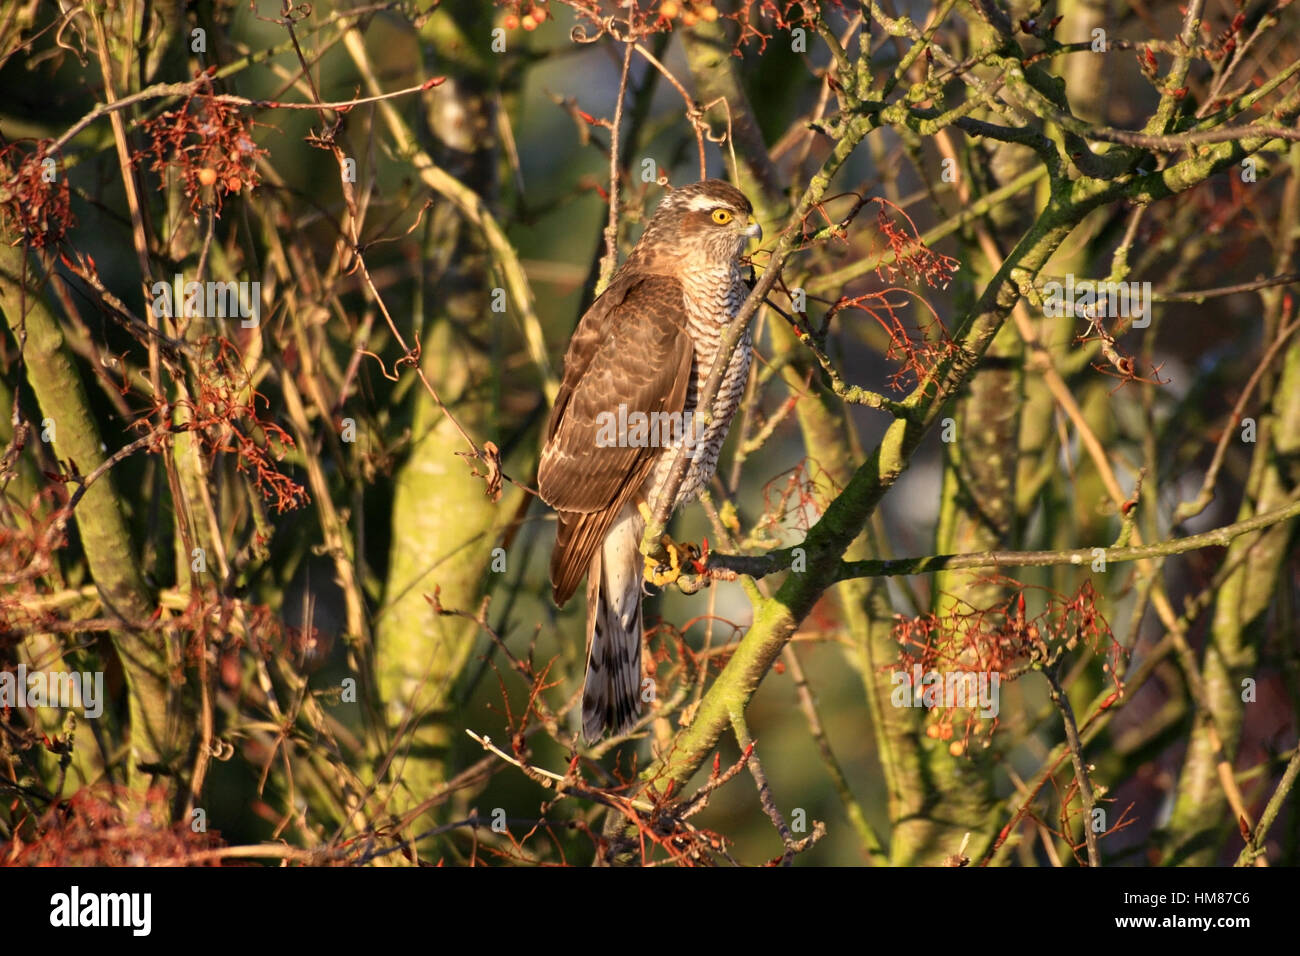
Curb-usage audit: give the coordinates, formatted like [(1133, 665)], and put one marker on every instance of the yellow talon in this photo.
[(657, 575), (656, 571), (674, 561), (661, 575)]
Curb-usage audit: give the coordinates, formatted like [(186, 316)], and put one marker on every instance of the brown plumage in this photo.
[(646, 345)]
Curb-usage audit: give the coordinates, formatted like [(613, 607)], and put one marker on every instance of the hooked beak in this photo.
[(754, 231)]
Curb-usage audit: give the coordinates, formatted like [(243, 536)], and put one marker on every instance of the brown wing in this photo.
[(631, 348)]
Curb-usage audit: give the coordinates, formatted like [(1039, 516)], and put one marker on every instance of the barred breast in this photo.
[(712, 302)]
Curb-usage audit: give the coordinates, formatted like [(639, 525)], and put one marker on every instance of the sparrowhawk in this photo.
[(635, 367)]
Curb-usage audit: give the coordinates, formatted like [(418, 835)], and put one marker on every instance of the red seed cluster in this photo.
[(35, 199), (209, 144)]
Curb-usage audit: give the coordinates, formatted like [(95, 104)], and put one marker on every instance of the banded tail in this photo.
[(611, 693)]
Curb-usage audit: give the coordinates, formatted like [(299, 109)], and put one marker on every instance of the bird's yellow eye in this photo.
[(722, 217)]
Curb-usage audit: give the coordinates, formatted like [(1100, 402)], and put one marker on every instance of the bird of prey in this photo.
[(641, 354)]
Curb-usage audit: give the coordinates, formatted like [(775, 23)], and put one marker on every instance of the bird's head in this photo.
[(709, 221)]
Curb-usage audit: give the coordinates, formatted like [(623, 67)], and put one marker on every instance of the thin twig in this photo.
[(610, 261), (1062, 702), (1193, 507), (1254, 847)]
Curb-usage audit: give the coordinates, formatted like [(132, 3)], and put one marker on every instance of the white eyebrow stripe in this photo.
[(700, 202)]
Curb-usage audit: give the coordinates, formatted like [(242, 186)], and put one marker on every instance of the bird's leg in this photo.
[(666, 567)]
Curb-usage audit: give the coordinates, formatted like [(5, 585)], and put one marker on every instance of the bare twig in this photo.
[(1081, 768), (610, 261), (1254, 848)]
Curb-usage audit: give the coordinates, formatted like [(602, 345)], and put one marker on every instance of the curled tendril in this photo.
[(383, 369), (296, 13), (695, 116), (611, 27), (58, 35), (579, 34), (221, 750)]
